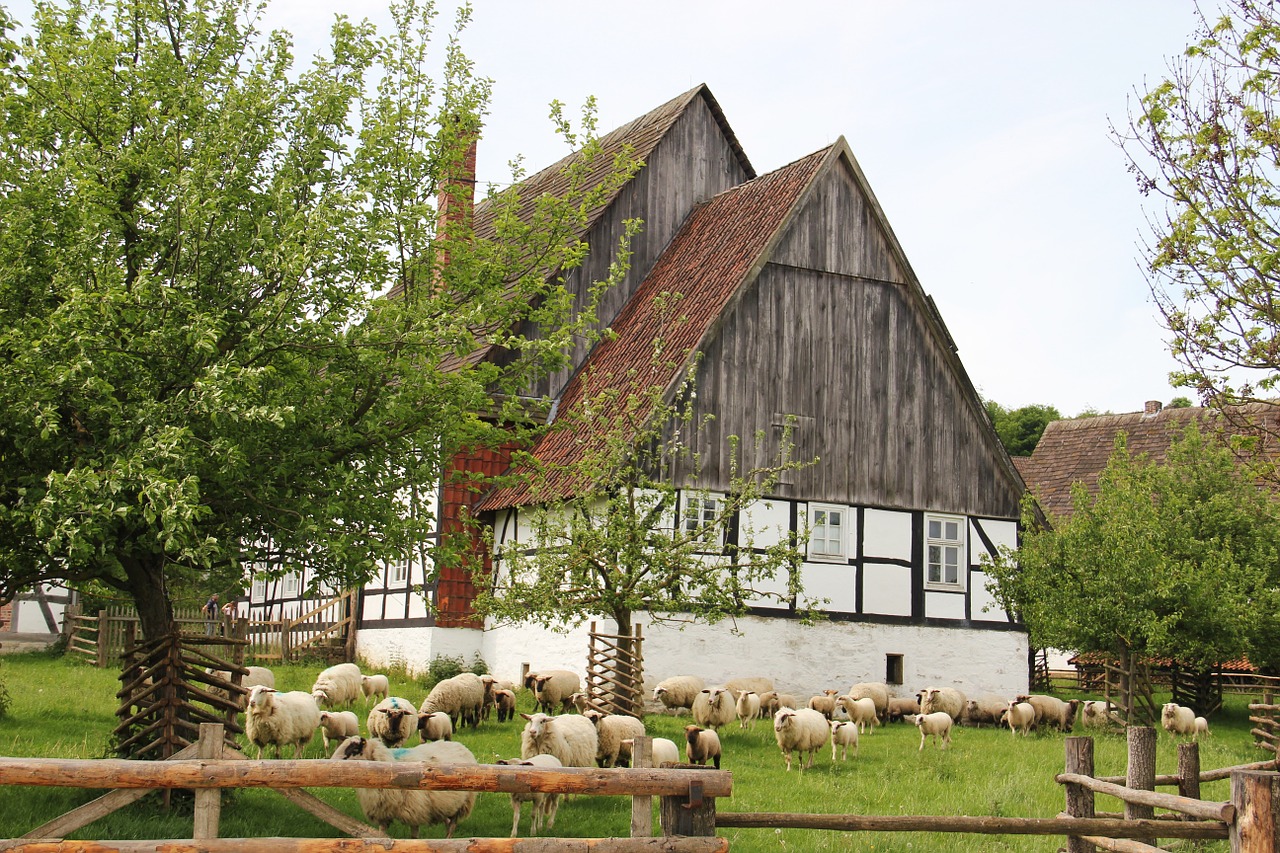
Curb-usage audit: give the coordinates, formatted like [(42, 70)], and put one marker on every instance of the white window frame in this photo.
[(292, 583), (938, 538), (399, 572), (702, 509), (818, 530), (258, 591)]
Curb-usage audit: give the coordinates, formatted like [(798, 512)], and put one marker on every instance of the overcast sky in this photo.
[(981, 126)]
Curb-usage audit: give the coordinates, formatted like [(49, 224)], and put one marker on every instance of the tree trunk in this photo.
[(634, 687), (145, 582)]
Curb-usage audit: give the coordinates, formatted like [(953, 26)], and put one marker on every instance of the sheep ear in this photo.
[(526, 716)]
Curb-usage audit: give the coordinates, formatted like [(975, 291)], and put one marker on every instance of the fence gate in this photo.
[(615, 672)]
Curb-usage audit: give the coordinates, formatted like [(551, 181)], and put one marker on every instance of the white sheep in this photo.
[(756, 684), (544, 805), (844, 734), (825, 703), (701, 745), (434, 725), (280, 718), (1020, 716), (664, 750), (611, 732), (1052, 711), (392, 721), (714, 707), (1177, 719), (256, 675), (936, 724), (1099, 714), (804, 731), (555, 687), (899, 708), (862, 712), (748, 708), (505, 701), (569, 737), (678, 691), (338, 725), (375, 685), (948, 699), (876, 691), (338, 685), (411, 806), (461, 697), (1202, 727), (987, 709)]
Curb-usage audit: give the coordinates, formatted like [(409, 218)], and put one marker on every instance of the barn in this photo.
[(805, 310)]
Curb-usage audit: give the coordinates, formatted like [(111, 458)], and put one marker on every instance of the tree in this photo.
[(1172, 560), (198, 369), (1020, 429), (1205, 142)]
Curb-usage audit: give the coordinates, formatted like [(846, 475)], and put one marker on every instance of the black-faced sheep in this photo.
[(280, 718), (412, 807), (434, 725), (338, 685), (338, 726), (569, 737), (701, 745), (392, 721), (844, 734), (714, 707), (554, 689), (936, 724), (505, 702), (612, 730), (678, 691), (802, 731), (544, 805)]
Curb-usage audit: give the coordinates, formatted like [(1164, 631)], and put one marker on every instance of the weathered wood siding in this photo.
[(827, 334), (693, 162)]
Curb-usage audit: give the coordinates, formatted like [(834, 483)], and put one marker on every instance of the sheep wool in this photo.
[(1052, 711), (569, 737), (701, 745), (802, 731), (434, 725), (1020, 716), (748, 708), (280, 718), (876, 691), (612, 732), (714, 707), (901, 707), (392, 721), (678, 691), (1099, 714), (338, 725), (987, 709), (544, 805), (338, 685), (862, 712), (936, 725), (505, 701), (1177, 719), (461, 697), (1202, 726), (375, 685), (555, 687), (844, 734), (754, 683), (412, 807), (825, 703), (256, 675), (946, 699)]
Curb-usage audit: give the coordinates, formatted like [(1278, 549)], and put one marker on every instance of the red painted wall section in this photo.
[(455, 593)]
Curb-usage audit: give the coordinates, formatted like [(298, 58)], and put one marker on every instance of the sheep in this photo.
[(1202, 727), (876, 691), (544, 805), (581, 701), (1020, 715), (392, 721), (948, 699), (280, 718), (411, 806), (1052, 711), (611, 731), (901, 707), (569, 737), (374, 685), (936, 724), (985, 710), (338, 725), (678, 691), (825, 703), (505, 701), (434, 725), (1178, 720), (803, 730), (844, 734), (461, 697), (748, 708), (756, 684), (862, 712), (714, 708), (1098, 714), (338, 685), (664, 750), (256, 675), (554, 687), (701, 745), (490, 684)]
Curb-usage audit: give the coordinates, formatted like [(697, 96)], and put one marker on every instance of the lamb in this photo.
[(338, 685), (338, 725), (611, 731), (461, 697), (569, 737), (280, 718), (1177, 719), (411, 806), (985, 710), (701, 745), (1098, 714), (844, 734), (392, 721), (748, 708), (505, 701), (901, 707), (876, 691), (825, 703), (756, 684), (374, 685), (678, 691), (544, 805), (862, 712), (1202, 727), (1052, 711), (936, 724), (714, 708), (803, 730), (434, 725), (554, 687), (1020, 715), (948, 699), (581, 701)]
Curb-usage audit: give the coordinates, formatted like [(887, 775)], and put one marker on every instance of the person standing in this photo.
[(210, 614)]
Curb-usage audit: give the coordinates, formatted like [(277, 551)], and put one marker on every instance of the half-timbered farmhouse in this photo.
[(805, 310)]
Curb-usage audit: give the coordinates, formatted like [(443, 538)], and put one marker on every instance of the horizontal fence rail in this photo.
[(381, 845), (978, 825)]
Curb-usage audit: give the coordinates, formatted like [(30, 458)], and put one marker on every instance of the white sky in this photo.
[(982, 127)]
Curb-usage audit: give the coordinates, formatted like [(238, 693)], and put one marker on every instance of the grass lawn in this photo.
[(64, 709)]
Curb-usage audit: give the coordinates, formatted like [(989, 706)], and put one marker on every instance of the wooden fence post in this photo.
[(691, 814), (1256, 796), (642, 807), (1189, 770), (1079, 760), (208, 807), (103, 639)]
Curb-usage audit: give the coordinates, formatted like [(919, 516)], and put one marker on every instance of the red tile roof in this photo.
[(719, 248)]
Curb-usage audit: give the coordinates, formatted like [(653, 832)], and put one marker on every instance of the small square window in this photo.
[(700, 516), (291, 583), (944, 550), (893, 669), (827, 525), (258, 591), (400, 571)]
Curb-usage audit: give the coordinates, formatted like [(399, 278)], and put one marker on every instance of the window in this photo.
[(944, 546), (892, 669), (400, 571), (259, 590), (291, 583), (700, 519), (827, 532)]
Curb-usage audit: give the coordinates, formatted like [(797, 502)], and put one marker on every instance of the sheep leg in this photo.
[(515, 817)]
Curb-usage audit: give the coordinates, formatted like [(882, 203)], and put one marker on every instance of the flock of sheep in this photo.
[(556, 737)]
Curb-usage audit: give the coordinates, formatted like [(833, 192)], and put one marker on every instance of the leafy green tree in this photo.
[(198, 371), (1020, 429), (1173, 560), (1204, 143)]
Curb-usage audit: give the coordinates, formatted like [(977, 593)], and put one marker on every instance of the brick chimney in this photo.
[(1151, 408), (455, 199)]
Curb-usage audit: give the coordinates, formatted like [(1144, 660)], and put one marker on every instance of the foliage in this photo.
[(1180, 403), (1020, 429), (1205, 143), (198, 371), (1175, 560), (4, 696), (445, 666)]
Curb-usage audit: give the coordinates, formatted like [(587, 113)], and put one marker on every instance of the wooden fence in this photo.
[(615, 672)]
